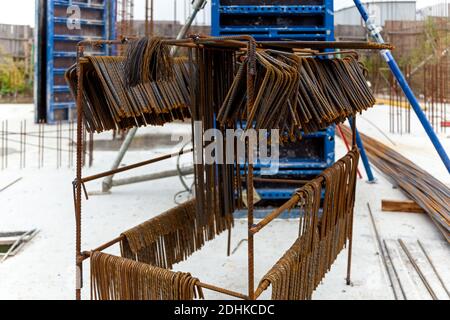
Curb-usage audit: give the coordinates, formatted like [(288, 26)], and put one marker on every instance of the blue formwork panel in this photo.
[(274, 20), (304, 160), (96, 21), (284, 20)]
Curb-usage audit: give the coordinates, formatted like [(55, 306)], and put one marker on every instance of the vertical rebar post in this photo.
[(91, 149), (24, 144), (6, 144), (21, 144), (77, 182)]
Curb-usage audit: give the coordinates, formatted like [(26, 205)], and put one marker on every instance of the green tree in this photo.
[(12, 75)]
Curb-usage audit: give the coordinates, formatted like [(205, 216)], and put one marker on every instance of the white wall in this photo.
[(382, 11)]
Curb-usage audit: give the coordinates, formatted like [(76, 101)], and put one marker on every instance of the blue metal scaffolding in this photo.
[(284, 20), (94, 20), (274, 20)]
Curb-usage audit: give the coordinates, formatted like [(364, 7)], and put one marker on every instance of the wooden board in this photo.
[(401, 206)]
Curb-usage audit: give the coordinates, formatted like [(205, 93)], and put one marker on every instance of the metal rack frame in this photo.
[(239, 42)]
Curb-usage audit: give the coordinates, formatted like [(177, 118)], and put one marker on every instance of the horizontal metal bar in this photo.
[(59, 71), (267, 9), (87, 254), (63, 105), (327, 45), (61, 89), (274, 214), (133, 166), (221, 290), (247, 28), (67, 54), (91, 22), (287, 181), (152, 176), (240, 41), (81, 5), (64, 37)]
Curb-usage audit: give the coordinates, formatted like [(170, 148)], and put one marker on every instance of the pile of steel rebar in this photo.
[(218, 187), (428, 192), (295, 93), (110, 103), (117, 278)]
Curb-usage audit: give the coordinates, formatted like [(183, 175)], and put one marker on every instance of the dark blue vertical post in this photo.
[(388, 57), (363, 153)]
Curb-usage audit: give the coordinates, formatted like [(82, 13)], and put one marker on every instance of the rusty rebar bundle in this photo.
[(116, 278), (216, 184), (172, 236), (109, 103), (428, 192), (296, 94), (324, 231), (148, 59)]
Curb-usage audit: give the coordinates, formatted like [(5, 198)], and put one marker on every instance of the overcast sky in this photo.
[(23, 11)]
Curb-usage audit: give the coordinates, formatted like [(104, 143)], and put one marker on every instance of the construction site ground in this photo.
[(45, 267)]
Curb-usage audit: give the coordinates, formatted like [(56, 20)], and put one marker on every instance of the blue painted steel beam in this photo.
[(296, 172), (85, 5), (88, 22), (61, 89), (295, 9), (390, 60), (300, 30), (70, 38), (64, 105)]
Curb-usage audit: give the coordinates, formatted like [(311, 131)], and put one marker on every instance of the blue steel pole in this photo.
[(363, 153), (388, 57)]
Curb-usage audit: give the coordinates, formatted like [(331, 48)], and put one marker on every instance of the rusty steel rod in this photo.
[(222, 290), (380, 247), (389, 257), (274, 214), (193, 42), (418, 270), (433, 266), (326, 45)]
